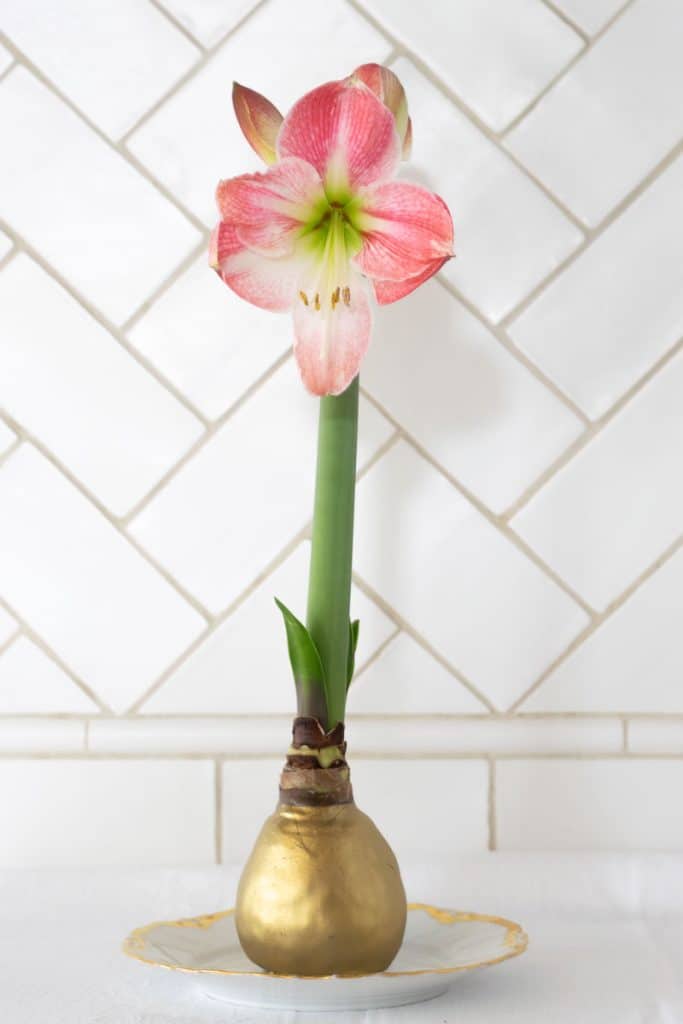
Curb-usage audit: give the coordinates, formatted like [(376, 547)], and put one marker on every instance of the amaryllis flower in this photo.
[(325, 219)]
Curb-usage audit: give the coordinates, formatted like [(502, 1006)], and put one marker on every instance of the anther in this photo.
[(304, 298), (316, 301), (346, 296), (335, 296)]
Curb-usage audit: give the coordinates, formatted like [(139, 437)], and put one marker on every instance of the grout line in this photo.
[(391, 613), (533, 103), (590, 43), (495, 521), (170, 669), (212, 428), (207, 53), (166, 284), (492, 823), (402, 50), (567, 20), (600, 618), (407, 718), (399, 433), (517, 354), (112, 520), (6, 455), (5, 72), (177, 24), (218, 809), (53, 656), (375, 656), (595, 428), (259, 580), (27, 63), (9, 256), (380, 754), (547, 475), (14, 635), (591, 235), (115, 332), (218, 620), (397, 49), (379, 454)]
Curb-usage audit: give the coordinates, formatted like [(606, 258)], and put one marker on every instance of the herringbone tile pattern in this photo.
[(520, 500)]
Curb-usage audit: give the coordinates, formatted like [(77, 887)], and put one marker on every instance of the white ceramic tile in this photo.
[(264, 735), (536, 736), (99, 605), (249, 795), (443, 736), (208, 342), (646, 736), (111, 234), (73, 813), (634, 662), (208, 20), (232, 509), (456, 579), (33, 735), (70, 384), (407, 679), (616, 506), (590, 15), (235, 735), (597, 805), (8, 626), (508, 234), (7, 436), (32, 683), (497, 56), (113, 60), (5, 245), (194, 140), (602, 324), (243, 666), (399, 796), (613, 116), (5, 58), (450, 383)]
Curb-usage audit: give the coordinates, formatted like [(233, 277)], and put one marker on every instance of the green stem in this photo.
[(329, 587)]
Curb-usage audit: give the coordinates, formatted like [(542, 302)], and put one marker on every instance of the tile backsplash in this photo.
[(518, 563)]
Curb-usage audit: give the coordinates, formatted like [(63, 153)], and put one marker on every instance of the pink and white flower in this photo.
[(326, 218)]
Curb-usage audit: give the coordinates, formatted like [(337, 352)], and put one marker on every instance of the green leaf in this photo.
[(304, 657), (354, 628)]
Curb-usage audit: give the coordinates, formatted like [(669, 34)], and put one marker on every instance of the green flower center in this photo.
[(329, 239)]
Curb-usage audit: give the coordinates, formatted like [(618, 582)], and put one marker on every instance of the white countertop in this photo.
[(606, 943)]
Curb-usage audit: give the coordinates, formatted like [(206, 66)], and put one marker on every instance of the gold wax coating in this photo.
[(321, 894)]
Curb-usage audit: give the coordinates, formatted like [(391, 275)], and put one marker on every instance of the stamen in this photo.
[(335, 296), (304, 298), (316, 301), (346, 296)]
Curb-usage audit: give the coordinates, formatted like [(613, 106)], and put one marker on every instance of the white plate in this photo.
[(438, 945)]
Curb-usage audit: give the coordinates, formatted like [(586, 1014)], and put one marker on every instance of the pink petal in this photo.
[(387, 87), (390, 291), (342, 122), (269, 209), (330, 345), (405, 228), (259, 120), (268, 283)]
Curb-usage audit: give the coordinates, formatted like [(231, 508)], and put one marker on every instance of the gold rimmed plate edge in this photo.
[(516, 940)]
